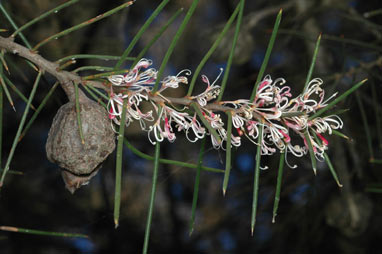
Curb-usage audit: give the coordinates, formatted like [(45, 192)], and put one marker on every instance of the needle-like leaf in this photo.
[(81, 25), (267, 55), (42, 16), (212, 49), (118, 167), (278, 186), (196, 186), (232, 52), (173, 43), (78, 111), (311, 151), (256, 180), (338, 99), (152, 198), (309, 76), (40, 232), (228, 153), (170, 162), (19, 129), (140, 33)]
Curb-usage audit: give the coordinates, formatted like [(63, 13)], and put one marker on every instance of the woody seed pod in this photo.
[(80, 162)]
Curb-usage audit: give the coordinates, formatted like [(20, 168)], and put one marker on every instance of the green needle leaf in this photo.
[(267, 55), (212, 49), (311, 151), (156, 37), (81, 25), (337, 112), (103, 75), (98, 92), (196, 185), (140, 33), (309, 76), (95, 97), (38, 110), (171, 162), (152, 198), (21, 125), (93, 68), (17, 91), (330, 165), (118, 167), (232, 52), (340, 98), (78, 111), (256, 180), (174, 42), (91, 56), (42, 16), (337, 133), (13, 24), (205, 122), (5, 89), (228, 153), (278, 186), (40, 232), (332, 170)]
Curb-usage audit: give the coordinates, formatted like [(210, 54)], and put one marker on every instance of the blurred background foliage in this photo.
[(314, 216)]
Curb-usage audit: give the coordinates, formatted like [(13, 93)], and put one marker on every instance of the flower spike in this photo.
[(284, 120)]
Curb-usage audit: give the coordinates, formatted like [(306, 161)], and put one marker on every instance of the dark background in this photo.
[(315, 216)]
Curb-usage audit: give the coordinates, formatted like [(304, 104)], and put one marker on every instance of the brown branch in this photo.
[(66, 79)]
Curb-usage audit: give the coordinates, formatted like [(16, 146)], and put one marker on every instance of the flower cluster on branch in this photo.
[(281, 118)]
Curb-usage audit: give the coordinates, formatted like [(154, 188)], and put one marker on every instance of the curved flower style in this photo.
[(135, 79), (280, 116)]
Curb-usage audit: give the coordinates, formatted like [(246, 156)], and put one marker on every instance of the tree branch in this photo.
[(66, 79)]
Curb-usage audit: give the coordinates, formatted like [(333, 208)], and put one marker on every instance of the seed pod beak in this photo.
[(74, 182)]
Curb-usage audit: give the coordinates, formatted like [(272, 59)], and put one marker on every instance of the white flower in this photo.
[(211, 92)]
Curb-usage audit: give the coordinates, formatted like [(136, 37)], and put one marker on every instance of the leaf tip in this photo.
[(116, 223), (315, 171), (8, 228)]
